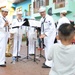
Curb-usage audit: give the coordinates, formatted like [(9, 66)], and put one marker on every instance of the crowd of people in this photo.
[(56, 54)]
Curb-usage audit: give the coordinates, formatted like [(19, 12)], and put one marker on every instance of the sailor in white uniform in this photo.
[(48, 32), (17, 34), (63, 18), (32, 34), (3, 35)]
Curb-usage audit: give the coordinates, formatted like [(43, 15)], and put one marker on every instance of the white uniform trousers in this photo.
[(2, 48), (31, 39), (31, 45), (17, 44), (48, 43), (6, 38)]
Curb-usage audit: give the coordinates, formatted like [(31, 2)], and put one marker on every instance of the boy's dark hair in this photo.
[(65, 31)]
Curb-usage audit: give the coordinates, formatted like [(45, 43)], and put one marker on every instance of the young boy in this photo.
[(63, 55)]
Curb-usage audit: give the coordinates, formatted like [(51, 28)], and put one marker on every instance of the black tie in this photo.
[(5, 26), (19, 21), (42, 29), (42, 25)]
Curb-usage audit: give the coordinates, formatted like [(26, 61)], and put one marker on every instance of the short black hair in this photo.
[(65, 31)]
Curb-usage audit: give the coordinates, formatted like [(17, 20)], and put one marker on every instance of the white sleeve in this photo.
[(1, 23)]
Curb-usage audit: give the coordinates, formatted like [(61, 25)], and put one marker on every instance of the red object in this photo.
[(40, 48)]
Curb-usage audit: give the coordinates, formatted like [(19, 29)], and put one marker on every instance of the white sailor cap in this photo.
[(20, 12), (63, 11), (4, 9), (42, 8)]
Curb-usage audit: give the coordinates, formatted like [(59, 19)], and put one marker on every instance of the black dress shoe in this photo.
[(17, 56), (45, 66), (3, 65), (31, 54)]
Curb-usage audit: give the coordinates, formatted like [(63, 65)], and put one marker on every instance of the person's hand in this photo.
[(6, 23), (42, 36)]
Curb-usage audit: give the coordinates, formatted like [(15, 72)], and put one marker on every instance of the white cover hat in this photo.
[(4, 9), (63, 11), (42, 8), (20, 12)]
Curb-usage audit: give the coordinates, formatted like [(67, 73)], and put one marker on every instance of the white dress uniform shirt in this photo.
[(2, 22), (62, 20)]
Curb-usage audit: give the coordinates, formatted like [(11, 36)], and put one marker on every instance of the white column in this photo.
[(32, 10)]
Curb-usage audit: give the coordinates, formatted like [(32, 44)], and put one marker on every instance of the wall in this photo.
[(71, 16), (69, 6), (25, 6)]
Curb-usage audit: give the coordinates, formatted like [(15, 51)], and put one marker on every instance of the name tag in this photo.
[(48, 22)]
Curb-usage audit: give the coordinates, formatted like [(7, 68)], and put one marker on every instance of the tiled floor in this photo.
[(25, 66)]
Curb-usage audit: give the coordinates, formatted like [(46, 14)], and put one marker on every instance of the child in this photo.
[(63, 55)]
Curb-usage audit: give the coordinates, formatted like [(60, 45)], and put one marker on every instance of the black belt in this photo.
[(15, 27)]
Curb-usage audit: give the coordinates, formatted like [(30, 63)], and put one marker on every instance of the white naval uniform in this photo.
[(62, 20), (3, 39), (50, 32), (17, 37), (31, 39)]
